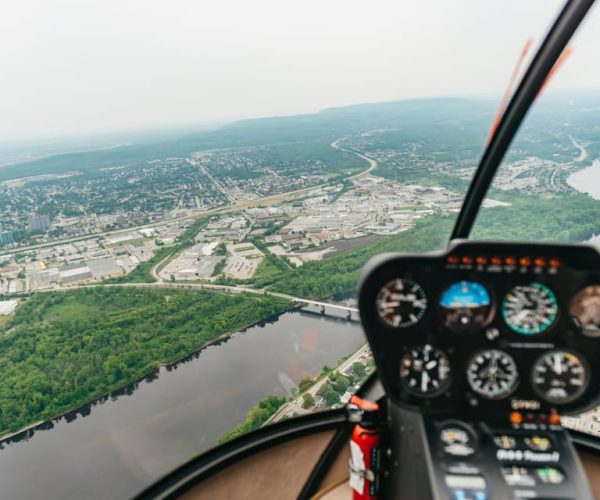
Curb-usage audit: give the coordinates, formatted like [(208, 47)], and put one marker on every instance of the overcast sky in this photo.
[(86, 66)]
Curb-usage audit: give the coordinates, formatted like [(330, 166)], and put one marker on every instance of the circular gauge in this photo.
[(538, 442), (425, 371), (559, 377), (550, 475), (585, 307), (530, 309), (492, 374), (457, 441), (505, 441), (401, 303), (465, 306)]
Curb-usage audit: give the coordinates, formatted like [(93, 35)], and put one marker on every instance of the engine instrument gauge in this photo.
[(425, 371), (505, 441), (585, 308), (457, 441), (465, 306), (401, 303), (550, 475), (530, 309), (559, 377), (515, 475), (538, 442), (492, 374)]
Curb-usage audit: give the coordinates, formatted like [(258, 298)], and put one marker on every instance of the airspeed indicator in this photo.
[(401, 303)]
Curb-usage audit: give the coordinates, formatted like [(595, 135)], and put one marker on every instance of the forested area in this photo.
[(256, 416), (556, 217), (64, 349)]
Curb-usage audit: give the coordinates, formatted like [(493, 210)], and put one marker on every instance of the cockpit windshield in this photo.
[(548, 186), (189, 190)]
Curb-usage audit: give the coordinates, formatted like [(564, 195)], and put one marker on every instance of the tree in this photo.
[(359, 370), (305, 383), (331, 397), (307, 400)]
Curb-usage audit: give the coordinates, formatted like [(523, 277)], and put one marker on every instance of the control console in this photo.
[(490, 343)]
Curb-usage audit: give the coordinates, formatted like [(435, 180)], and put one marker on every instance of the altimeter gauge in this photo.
[(401, 303), (425, 371), (492, 374), (530, 309), (559, 377)]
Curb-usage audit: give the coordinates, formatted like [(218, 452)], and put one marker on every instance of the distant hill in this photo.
[(317, 128), (445, 119)]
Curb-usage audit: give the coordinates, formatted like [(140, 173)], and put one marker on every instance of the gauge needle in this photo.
[(557, 365), (520, 316), (404, 297), (431, 364), (424, 381)]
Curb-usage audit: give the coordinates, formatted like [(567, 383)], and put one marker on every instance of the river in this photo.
[(126, 443), (587, 180)]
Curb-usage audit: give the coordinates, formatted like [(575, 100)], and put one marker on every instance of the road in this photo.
[(372, 162), (154, 271), (266, 200), (202, 286), (582, 151), (295, 406)]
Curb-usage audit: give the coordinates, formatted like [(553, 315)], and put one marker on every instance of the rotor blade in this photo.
[(508, 91), (561, 60)]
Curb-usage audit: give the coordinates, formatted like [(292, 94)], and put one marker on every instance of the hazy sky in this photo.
[(87, 66)]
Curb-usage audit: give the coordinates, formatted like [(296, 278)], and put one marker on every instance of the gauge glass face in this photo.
[(515, 475), (538, 443), (492, 374), (425, 371), (457, 441), (401, 303), (585, 307), (465, 306), (550, 475), (530, 309), (505, 441), (559, 377)]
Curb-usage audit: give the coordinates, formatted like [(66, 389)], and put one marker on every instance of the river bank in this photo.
[(131, 441), (587, 180), (130, 387)]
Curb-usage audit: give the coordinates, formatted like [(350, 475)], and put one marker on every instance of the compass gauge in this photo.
[(425, 371), (492, 374), (530, 309), (559, 377), (401, 303)]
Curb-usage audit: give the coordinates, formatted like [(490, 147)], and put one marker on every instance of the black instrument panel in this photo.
[(486, 326)]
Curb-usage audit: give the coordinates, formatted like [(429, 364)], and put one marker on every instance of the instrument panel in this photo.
[(486, 326)]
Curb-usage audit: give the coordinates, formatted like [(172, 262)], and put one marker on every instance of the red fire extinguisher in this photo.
[(365, 448)]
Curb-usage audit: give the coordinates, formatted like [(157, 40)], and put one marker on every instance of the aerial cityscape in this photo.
[(139, 257)]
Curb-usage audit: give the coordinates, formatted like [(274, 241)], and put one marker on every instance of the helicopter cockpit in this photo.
[(479, 349)]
